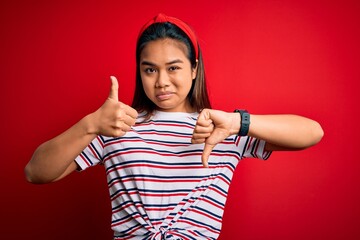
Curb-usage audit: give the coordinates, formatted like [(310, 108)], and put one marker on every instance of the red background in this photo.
[(266, 56)]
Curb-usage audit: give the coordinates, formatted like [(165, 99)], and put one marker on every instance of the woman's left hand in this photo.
[(212, 127)]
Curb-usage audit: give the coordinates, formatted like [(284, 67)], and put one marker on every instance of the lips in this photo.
[(164, 95)]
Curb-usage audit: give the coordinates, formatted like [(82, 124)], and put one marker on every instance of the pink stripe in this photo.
[(159, 209), (165, 134), (136, 216), (141, 179), (193, 233), (204, 214), (135, 165), (179, 235), (124, 221), (85, 160), (256, 149), (94, 152), (134, 230), (154, 153), (217, 191), (148, 142), (166, 124), (237, 141), (212, 203), (197, 225), (100, 141), (149, 194), (122, 208), (249, 144), (169, 154)]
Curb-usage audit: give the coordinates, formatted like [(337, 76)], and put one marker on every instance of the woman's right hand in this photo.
[(54, 159), (113, 118)]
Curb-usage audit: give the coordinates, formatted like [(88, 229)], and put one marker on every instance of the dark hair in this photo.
[(198, 96)]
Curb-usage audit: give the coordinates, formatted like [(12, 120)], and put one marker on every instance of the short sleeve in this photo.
[(252, 148), (91, 155)]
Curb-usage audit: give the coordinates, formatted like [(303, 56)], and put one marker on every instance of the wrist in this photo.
[(235, 123), (89, 124)]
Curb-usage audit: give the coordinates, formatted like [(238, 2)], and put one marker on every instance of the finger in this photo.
[(206, 154), (204, 118), (123, 126), (203, 124), (128, 120), (200, 133), (131, 111), (201, 136), (198, 140), (117, 132), (129, 114), (201, 129), (114, 89)]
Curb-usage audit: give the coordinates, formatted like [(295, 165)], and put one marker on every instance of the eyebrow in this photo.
[(168, 63)]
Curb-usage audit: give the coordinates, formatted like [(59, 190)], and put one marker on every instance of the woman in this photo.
[(169, 158)]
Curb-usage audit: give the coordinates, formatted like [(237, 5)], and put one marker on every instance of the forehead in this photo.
[(164, 48)]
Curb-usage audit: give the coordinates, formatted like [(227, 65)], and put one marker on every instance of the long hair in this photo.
[(198, 95)]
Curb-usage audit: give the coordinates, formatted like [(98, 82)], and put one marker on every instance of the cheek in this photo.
[(187, 82), (148, 88), (146, 81)]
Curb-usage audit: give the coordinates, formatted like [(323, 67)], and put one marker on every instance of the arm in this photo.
[(285, 132), (281, 132), (54, 159)]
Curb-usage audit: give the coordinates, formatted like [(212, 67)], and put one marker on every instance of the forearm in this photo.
[(52, 159), (285, 132)]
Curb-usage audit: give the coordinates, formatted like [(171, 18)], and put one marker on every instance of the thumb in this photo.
[(206, 154), (204, 115), (114, 89)]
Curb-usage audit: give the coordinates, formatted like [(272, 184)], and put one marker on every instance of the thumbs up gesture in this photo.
[(113, 118), (212, 127)]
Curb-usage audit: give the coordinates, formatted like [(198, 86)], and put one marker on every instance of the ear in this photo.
[(194, 70)]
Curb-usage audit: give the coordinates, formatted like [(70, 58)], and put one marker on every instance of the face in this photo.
[(167, 75)]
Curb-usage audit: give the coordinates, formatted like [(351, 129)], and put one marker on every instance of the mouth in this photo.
[(164, 95)]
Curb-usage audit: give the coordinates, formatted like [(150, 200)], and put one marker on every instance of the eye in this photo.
[(149, 70), (173, 68)]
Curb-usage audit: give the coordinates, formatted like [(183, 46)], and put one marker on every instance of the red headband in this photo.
[(161, 18)]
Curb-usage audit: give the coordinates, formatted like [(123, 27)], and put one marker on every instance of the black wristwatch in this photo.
[(245, 122)]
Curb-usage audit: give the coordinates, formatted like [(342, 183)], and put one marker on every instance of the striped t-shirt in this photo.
[(158, 186)]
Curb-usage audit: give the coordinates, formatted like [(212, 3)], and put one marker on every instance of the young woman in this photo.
[(169, 158)]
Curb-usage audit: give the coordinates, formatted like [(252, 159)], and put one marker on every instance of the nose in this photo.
[(163, 80)]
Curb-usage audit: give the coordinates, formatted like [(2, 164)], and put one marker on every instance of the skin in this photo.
[(281, 132), (167, 76), (54, 159)]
